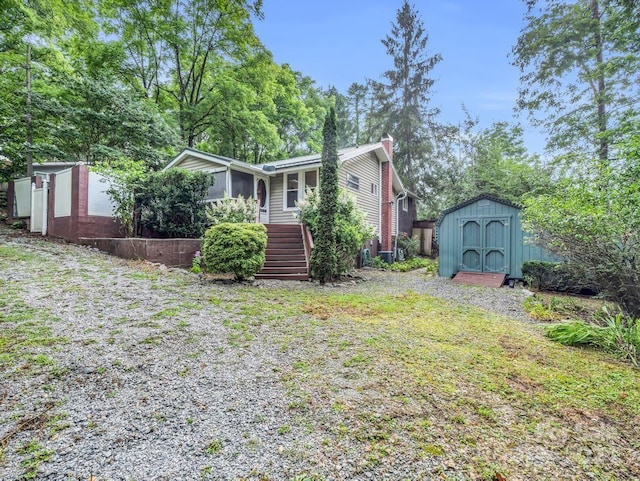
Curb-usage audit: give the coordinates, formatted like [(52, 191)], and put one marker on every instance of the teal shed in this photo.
[(484, 234)]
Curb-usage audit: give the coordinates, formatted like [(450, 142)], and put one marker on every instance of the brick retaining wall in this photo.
[(170, 252)]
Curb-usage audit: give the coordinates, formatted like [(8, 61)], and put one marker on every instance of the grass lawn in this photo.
[(408, 375)]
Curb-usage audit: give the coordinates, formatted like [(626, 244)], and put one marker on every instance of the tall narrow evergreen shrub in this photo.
[(324, 261)]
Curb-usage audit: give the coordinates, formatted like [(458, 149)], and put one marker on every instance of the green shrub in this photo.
[(232, 210), (405, 266), (172, 203), (351, 227), (19, 224), (379, 263), (237, 248), (409, 245), (196, 263), (555, 277), (123, 177), (412, 264)]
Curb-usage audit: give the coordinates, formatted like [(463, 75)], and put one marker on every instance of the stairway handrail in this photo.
[(307, 240)]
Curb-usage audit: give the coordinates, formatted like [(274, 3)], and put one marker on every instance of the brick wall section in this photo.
[(10, 200), (386, 199), (170, 252)]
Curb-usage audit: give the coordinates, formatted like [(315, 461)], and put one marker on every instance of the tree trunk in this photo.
[(603, 150), (27, 116)]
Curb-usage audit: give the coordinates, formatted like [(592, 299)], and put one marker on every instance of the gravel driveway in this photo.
[(147, 383)]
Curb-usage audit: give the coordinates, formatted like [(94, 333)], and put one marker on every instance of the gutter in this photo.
[(401, 196)]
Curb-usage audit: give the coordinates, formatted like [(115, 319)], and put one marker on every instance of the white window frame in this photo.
[(374, 189), (285, 190), (353, 182), (301, 186), (405, 204)]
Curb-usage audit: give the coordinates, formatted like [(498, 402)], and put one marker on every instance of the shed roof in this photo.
[(492, 197)]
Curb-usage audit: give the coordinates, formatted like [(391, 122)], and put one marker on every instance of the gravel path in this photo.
[(149, 385)]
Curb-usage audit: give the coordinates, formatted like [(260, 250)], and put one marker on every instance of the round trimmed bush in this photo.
[(237, 248)]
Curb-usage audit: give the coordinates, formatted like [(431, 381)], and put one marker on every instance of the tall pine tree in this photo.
[(324, 260), (403, 97)]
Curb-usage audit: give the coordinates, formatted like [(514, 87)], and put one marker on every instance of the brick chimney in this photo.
[(387, 195), (387, 143)]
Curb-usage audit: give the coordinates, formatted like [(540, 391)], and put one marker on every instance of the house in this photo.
[(366, 171), (484, 235)]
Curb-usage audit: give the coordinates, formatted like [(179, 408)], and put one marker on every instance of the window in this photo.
[(241, 184), (405, 204), (292, 186), (295, 185), (311, 179), (353, 182), (216, 191), (374, 189)]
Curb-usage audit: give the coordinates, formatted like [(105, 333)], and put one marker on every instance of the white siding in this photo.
[(194, 164), (99, 202), (62, 204), (367, 168), (276, 213)]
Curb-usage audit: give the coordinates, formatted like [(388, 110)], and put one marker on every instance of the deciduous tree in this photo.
[(579, 62)]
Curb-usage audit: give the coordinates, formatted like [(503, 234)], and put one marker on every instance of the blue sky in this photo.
[(337, 42)]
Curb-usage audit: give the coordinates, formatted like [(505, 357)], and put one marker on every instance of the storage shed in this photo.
[(484, 234)]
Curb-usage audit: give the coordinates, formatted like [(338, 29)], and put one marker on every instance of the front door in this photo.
[(485, 245), (262, 195)]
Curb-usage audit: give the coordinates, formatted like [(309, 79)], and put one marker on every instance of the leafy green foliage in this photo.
[(172, 203), (237, 248), (98, 122), (231, 210), (594, 224), (410, 245), (405, 266), (196, 263), (194, 43), (351, 227), (555, 276), (615, 333), (578, 76), (123, 177), (324, 259), (555, 308)]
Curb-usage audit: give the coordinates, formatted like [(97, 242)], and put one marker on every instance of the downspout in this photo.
[(401, 196)]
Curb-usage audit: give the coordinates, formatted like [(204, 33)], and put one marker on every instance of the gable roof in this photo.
[(214, 159), (485, 196)]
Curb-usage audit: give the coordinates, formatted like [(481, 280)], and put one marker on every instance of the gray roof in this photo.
[(492, 197)]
